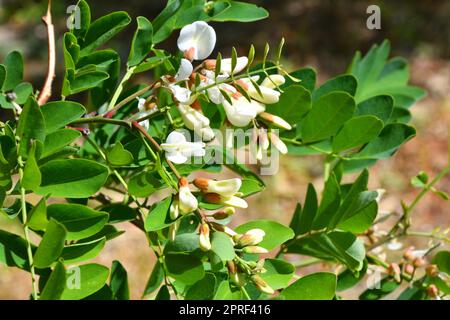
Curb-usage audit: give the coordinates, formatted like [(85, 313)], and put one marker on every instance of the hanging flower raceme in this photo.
[(187, 201), (222, 192), (179, 150), (196, 121)]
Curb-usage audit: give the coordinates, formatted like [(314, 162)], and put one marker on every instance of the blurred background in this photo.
[(323, 34)]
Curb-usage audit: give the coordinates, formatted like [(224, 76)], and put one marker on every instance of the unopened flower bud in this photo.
[(409, 269), (174, 209), (230, 201), (273, 81), (205, 243), (225, 229), (262, 285), (433, 291), (226, 188), (187, 201), (278, 143), (276, 120), (255, 249), (409, 254), (251, 238), (224, 214), (419, 262), (432, 270), (394, 271)]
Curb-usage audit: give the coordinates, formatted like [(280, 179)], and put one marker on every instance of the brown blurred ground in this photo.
[(323, 34)]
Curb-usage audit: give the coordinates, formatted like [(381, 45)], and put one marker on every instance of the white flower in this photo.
[(266, 94), (197, 40), (196, 121), (241, 112), (143, 112), (178, 149), (273, 81), (226, 64), (278, 143), (174, 209), (226, 188), (251, 238), (276, 120), (187, 201), (204, 239), (214, 90), (394, 245), (233, 201), (185, 70), (181, 94)]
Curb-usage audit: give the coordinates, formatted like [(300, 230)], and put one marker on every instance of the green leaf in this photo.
[(119, 156), (145, 184), (51, 245), (2, 75), (13, 250), (84, 281), (82, 251), (442, 260), (58, 114), (119, 282), (86, 81), (55, 284), (163, 293), (202, 289), (361, 219), (309, 211), (31, 173), (225, 292), (222, 246), (119, 212), (185, 268), (294, 103), (183, 243), (307, 77), (57, 140), (357, 131), (276, 233), (331, 199), (14, 71), (142, 42), (103, 29), (328, 114), (31, 126), (335, 246), (386, 286), (241, 12), (378, 106), (23, 91), (348, 279), (158, 218), (80, 221), (392, 137), (72, 178), (85, 20), (379, 76), (38, 216), (155, 280), (279, 273), (345, 83), (316, 286)]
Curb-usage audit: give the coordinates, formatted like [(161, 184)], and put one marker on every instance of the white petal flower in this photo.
[(273, 81), (278, 143), (251, 237), (181, 94), (394, 245), (241, 112), (198, 37), (226, 64), (226, 188), (143, 112), (266, 94), (196, 121), (187, 201), (178, 149), (204, 239), (185, 70)]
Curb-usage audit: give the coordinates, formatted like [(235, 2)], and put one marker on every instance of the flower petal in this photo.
[(185, 70), (200, 36)]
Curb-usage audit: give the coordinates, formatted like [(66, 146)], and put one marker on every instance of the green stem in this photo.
[(245, 293), (307, 262), (119, 89), (27, 236)]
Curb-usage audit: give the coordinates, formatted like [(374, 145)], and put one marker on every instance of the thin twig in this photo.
[(46, 91)]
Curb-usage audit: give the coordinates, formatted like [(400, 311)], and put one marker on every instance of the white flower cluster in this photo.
[(197, 42)]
